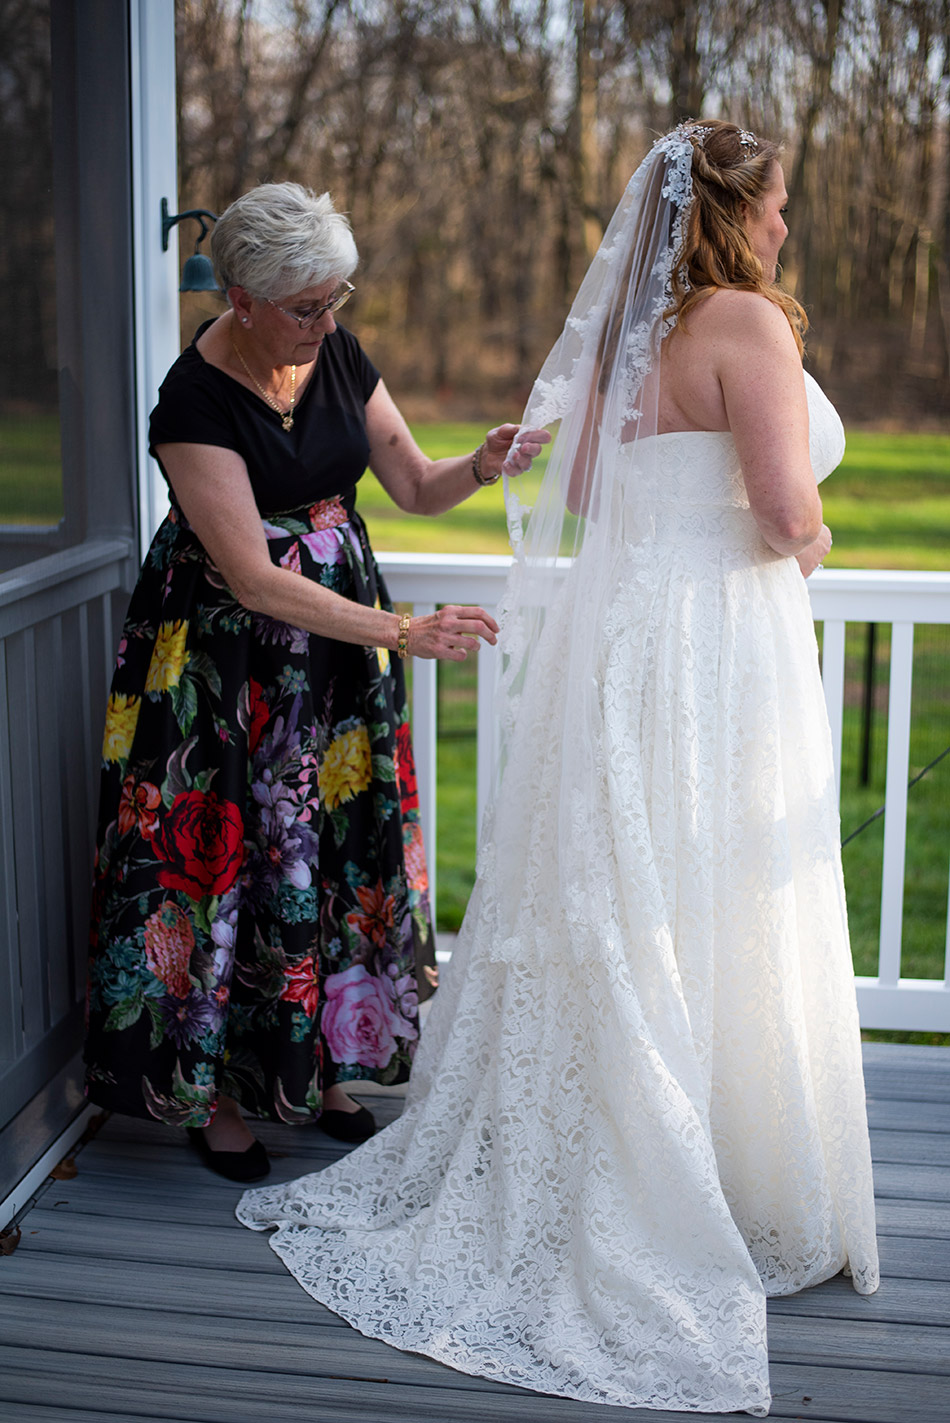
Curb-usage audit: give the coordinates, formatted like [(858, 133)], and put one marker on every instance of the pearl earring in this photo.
[(243, 320)]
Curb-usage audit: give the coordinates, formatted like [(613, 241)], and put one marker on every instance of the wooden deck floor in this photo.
[(134, 1294)]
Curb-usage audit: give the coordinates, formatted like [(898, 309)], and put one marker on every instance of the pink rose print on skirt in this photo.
[(360, 1019), (324, 546)]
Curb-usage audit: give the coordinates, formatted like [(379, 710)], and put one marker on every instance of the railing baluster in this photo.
[(51, 851), (108, 642), (487, 742), (28, 813), (832, 679), (80, 760), (895, 800), (90, 769), (946, 954), (424, 729), (11, 1019)]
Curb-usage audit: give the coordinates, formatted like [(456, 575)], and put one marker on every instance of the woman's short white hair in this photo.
[(279, 239)]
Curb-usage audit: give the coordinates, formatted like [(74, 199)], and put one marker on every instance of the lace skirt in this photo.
[(638, 1105)]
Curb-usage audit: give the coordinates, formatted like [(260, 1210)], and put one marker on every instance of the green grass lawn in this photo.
[(31, 489), (888, 507)]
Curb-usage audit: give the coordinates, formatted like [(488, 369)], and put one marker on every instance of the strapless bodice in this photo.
[(686, 487), (702, 466)]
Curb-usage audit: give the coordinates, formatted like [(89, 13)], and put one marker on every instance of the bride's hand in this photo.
[(814, 555)]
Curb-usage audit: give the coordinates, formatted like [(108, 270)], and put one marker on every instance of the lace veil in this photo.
[(598, 392)]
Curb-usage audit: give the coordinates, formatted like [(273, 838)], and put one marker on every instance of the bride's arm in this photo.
[(811, 557), (578, 485), (763, 386)]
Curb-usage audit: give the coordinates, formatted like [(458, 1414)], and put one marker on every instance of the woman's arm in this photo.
[(811, 557), (760, 373), (212, 486), (423, 486)]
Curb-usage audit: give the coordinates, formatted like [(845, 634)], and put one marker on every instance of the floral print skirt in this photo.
[(260, 922)]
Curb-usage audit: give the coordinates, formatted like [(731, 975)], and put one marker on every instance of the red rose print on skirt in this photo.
[(201, 841)]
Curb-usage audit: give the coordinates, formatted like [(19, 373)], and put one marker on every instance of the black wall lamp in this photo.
[(198, 273)]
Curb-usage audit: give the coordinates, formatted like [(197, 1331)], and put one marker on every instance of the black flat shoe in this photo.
[(249, 1165), (348, 1126)]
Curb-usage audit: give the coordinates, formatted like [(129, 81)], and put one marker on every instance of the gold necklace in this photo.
[(286, 420)]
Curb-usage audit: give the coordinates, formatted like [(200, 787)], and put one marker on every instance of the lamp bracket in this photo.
[(199, 214)]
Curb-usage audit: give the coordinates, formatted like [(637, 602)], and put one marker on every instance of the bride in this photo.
[(637, 1109)]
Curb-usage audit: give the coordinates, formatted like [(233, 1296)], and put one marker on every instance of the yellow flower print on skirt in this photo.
[(169, 657), (122, 714), (346, 768)]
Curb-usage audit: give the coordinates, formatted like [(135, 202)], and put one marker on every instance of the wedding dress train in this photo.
[(637, 1108)]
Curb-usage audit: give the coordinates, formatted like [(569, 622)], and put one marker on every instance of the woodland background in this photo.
[(480, 149)]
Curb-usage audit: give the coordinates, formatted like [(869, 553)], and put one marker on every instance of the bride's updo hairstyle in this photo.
[(731, 167)]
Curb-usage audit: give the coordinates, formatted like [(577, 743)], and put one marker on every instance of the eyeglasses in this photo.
[(306, 319)]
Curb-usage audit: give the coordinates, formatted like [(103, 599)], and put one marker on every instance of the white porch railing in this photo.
[(838, 597), (57, 645), (901, 599)]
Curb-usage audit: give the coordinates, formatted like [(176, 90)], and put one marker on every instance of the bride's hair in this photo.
[(730, 167)]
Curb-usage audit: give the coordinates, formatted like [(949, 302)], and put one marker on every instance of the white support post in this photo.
[(154, 176), (832, 680), (895, 802), (424, 728)]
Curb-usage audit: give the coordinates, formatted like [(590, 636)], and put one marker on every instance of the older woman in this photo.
[(260, 927)]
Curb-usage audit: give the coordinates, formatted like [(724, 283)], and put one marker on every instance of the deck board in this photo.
[(102, 1238), (135, 1294), (892, 1114)]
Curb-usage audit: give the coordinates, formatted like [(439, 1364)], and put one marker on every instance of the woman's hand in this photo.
[(815, 554), (451, 633), (510, 450), (423, 486)]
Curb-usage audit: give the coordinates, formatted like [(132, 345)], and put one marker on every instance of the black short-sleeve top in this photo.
[(324, 454)]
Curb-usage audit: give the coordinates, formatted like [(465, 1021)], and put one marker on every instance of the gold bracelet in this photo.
[(402, 644), (477, 468)]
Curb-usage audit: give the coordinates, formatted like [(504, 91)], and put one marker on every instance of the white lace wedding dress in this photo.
[(619, 1139)]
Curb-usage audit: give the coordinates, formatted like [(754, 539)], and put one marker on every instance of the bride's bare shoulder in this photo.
[(727, 311)]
